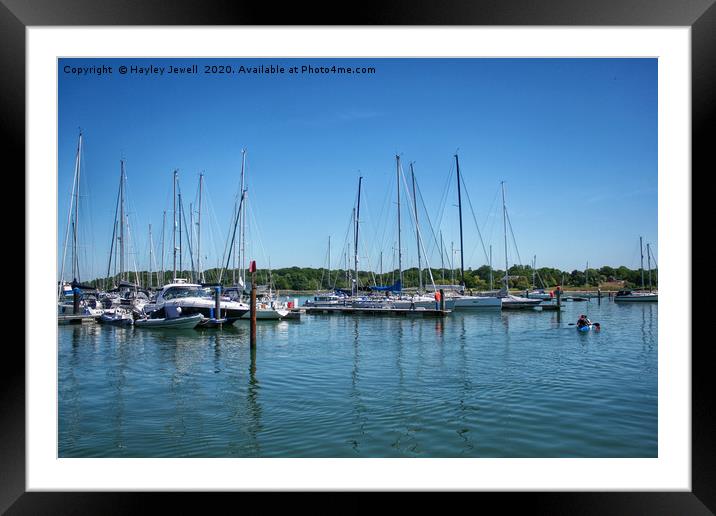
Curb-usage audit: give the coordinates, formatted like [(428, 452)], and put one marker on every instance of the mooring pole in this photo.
[(252, 270), (559, 298), (217, 302), (75, 301)]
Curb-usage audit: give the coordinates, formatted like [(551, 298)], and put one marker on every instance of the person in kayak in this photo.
[(583, 321)]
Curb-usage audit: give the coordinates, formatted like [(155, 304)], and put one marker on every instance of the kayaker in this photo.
[(583, 321)]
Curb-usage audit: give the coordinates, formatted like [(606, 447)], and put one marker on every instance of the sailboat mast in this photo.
[(181, 230), (491, 283), (353, 223), (417, 231), (381, 267), (504, 226), (452, 262), (75, 254), (198, 236), (442, 257), (242, 235), (459, 208), (641, 250), (586, 275), (329, 261), (648, 258), (400, 256), (150, 282), (190, 229), (122, 254), (174, 231), (69, 223), (164, 220), (355, 246)]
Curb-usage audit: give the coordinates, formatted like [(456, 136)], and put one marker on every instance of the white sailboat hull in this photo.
[(637, 298), (477, 302), (265, 314)]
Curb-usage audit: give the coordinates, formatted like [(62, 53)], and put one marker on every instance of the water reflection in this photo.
[(358, 407), (471, 384), (465, 392), (253, 426)]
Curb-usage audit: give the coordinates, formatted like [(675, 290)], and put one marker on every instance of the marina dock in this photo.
[(404, 312), (76, 319)]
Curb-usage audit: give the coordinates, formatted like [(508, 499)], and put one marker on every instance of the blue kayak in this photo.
[(584, 328)]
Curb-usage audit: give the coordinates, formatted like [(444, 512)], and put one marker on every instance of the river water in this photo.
[(480, 384)]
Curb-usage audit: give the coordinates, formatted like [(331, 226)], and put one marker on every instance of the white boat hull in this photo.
[(516, 302), (477, 302), (652, 298), (264, 314)]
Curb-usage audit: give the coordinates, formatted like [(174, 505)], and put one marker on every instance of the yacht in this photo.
[(632, 296), (194, 298)]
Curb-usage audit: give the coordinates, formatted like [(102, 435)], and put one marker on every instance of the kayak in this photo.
[(584, 328)]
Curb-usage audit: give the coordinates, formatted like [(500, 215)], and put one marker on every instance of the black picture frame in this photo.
[(700, 15)]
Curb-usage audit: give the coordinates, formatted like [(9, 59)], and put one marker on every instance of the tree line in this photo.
[(311, 279)]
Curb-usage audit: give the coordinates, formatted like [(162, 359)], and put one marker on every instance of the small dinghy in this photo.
[(116, 319), (178, 323)]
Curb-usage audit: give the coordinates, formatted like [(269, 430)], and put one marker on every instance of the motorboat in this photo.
[(117, 318), (636, 296), (327, 300), (194, 298), (179, 322)]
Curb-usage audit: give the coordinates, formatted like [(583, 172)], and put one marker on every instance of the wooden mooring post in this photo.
[(252, 270)]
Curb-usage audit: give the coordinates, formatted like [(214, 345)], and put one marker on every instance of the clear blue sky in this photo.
[(575, 141)]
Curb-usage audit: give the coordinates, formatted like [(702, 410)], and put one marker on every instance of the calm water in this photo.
[(508, 384)]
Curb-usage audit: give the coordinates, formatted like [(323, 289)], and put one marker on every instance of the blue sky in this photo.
[(575, 141)]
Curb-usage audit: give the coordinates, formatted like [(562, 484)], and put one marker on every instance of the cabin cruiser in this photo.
[(327, 300), (193, 298), (631, 296)]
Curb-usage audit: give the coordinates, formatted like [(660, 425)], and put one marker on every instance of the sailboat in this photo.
[(639, 296), (125, 296), (399, 300), (509, 301), (189, 298), (461, 300), (66, 289), (267, 307), (537, 293)]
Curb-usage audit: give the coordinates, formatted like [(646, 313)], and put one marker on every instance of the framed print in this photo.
[(271, 240)]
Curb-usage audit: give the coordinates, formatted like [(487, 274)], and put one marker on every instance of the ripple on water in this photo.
[(472, 385)]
